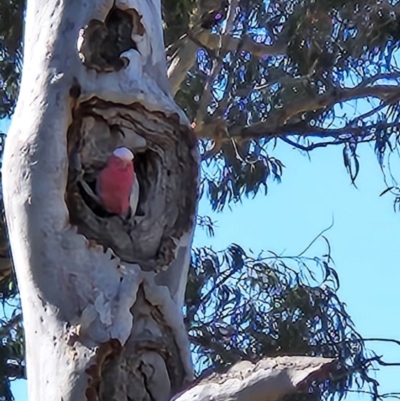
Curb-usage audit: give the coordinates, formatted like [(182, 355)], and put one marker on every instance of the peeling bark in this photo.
[(102, 297)]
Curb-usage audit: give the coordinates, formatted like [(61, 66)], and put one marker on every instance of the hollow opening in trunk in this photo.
[(101, 44)]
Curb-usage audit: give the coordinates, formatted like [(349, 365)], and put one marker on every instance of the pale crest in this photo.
[(123, 153)]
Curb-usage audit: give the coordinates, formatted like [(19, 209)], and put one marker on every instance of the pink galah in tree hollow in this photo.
[(117, 186)]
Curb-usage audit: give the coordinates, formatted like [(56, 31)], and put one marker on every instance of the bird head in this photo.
[(124, 154)]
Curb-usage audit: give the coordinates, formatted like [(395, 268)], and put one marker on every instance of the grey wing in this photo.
[(134, 199)]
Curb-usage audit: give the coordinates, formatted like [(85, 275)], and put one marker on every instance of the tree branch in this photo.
[(182, 61), (217, 66), (277, 125), (270, 379), (185, 57), (386, 93)]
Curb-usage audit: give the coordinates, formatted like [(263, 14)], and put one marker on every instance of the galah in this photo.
[(117, 186)]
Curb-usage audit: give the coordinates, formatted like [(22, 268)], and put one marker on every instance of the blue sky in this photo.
[(365, 238)]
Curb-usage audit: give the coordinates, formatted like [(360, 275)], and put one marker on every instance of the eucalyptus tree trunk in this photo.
[(102, 297)]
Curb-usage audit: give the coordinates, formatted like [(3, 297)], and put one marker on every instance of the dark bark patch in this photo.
[(104, 353), (75, 90), (138, 27)]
